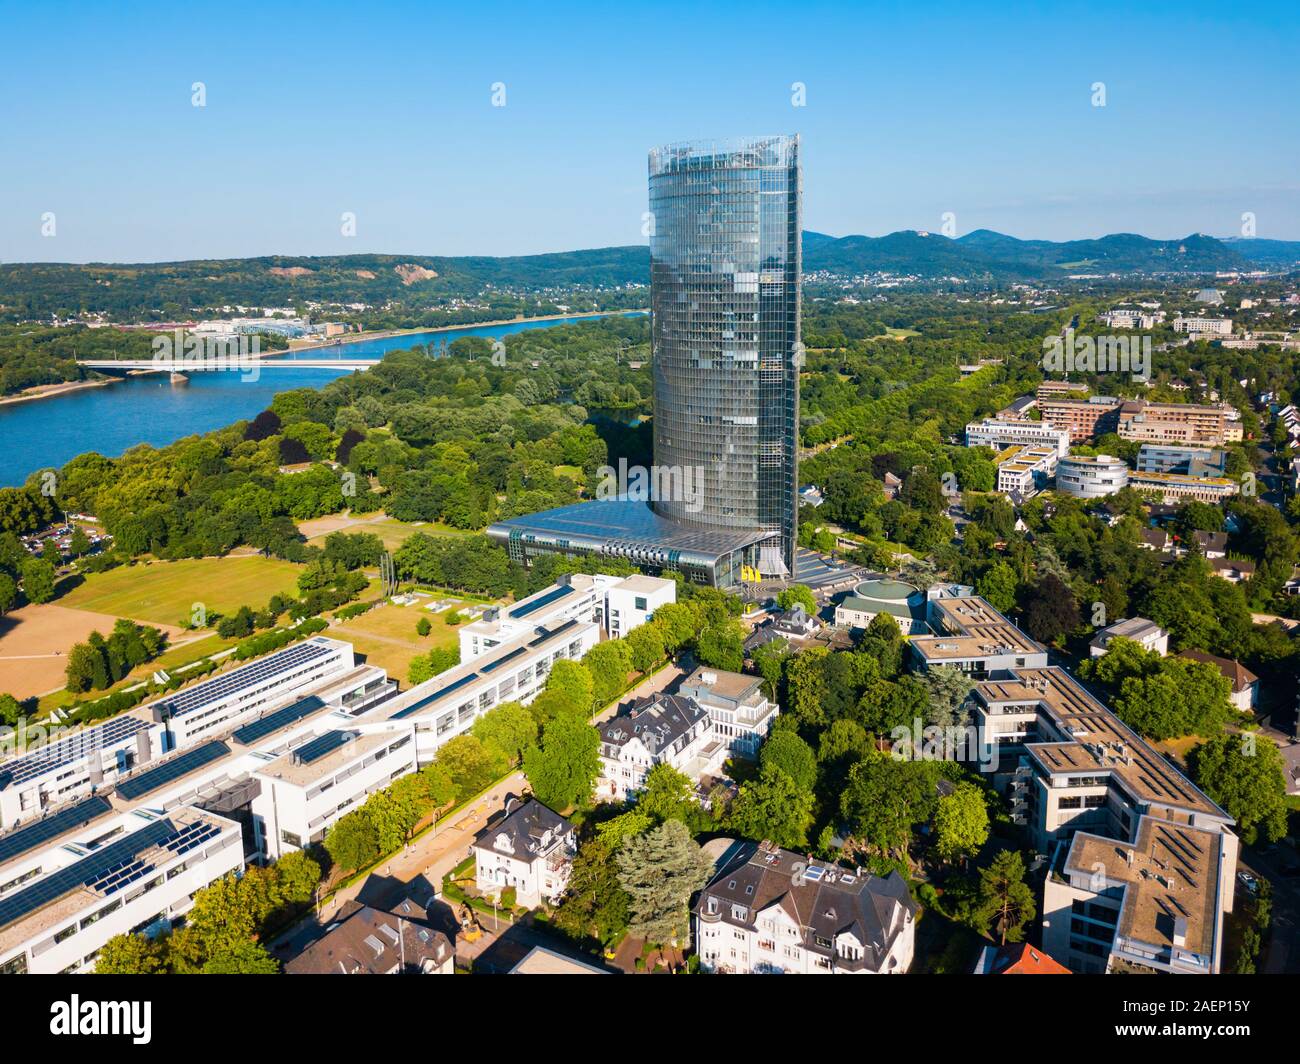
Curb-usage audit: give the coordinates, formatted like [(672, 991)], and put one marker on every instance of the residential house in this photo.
[(769, 910), (532, 850), (1149, 634), (370, 941), (1245, 684)]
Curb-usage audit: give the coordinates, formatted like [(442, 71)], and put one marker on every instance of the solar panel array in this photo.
[(94, 866), (545, 635), (554, 595), (245, 677), (71, 750), (281, 718), (30, 836), (415, 707), (494, 665), (172, 769), (323, 745)]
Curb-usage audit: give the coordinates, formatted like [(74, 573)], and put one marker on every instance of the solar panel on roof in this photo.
[(28, 837), (433, 697), (173, 769), (323, 745), (70, 750), (280, 718), (550, 634), (492, 666), (83, 872), (554, 595), (245, 677)]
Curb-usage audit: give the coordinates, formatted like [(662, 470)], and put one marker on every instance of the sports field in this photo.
[(165, 592)]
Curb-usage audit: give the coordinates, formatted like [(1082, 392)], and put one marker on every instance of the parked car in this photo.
[(1248, 883)]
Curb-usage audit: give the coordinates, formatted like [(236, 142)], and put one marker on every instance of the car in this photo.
[(1248, 883)]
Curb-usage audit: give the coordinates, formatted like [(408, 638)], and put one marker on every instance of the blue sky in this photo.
[(385, 110)]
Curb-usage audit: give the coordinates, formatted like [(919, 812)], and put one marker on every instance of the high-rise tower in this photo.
[(725, 295)]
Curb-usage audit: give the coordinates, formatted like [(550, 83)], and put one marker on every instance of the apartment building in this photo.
[(739, 713), (1173, 423), (1203, 326), (305, 791), (369, 941), (770, 911), (972, 636), (999, 434), (95, 758), (72, 881), (1185, 461), (1177, 487), (448, 704), (657, 729), (1082, 419), (1024, 470), (1143, 861), (617, 604), (532, 850)]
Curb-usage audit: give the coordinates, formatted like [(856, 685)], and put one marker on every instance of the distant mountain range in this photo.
[(996, 256), (415, 281)]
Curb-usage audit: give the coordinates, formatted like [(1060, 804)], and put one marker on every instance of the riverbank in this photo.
[(384, 334), (49, 391)]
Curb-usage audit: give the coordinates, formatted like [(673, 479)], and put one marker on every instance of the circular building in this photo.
[(1087, 477), (904, 602)]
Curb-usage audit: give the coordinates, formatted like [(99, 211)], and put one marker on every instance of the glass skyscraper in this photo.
[(725, 295), (725, 290)]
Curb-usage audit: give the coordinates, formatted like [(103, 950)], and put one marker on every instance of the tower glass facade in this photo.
[(725, 295)]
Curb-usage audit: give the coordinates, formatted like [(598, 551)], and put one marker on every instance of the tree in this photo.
[(243, 958), (609, 663), (353, 841), (667, 794), (595, 905), (774, 807), (79, 543), (79, 672), (132, 955), (798, 595), (38, 580), (471, 765), (784, 750), (8, 593), (509, 728), (1245, 775), (563, 769), (961, 823), (722, 646), (426, 666), (1051, 610), (998, 586), (1004, 899), (11, 710), (573, 686), (769, 659), (948, 689), (660, 871), (646, 646), (885, 798), (423, 627)]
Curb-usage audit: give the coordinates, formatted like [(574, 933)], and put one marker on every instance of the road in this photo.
[(1283, 954)]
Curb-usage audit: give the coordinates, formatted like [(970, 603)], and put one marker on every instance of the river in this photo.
[(45, 433)]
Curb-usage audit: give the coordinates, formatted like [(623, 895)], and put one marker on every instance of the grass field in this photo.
[(386, 636), (393, 532), (165, 592)]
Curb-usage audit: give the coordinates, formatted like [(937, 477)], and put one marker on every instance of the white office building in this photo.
[(998, 435)]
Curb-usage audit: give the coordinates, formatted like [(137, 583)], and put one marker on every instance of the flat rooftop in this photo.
[(972, 629), (323, 755), (1102, 742), (1170, 875)]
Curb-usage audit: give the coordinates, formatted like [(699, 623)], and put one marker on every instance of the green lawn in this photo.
[(165, 592)]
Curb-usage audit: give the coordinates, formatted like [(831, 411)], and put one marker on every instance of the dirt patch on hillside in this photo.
[(410, 273), (289, 271)]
